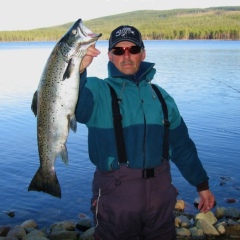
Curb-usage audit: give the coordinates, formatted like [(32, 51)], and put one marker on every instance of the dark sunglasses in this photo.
[(121, 50)]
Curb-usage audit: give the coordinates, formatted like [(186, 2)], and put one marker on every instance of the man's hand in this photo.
[(91, 53), (207, 201)]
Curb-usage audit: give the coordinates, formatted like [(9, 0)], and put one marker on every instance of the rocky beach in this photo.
[(223, 223)]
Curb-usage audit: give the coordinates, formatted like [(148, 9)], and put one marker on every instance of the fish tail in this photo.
[(46, 182)]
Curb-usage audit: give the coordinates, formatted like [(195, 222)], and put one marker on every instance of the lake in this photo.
[(202, 76)]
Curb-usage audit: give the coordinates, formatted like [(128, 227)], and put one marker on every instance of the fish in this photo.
[(54, 104)]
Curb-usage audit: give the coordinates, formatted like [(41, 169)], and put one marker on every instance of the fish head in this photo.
[(77, 39)]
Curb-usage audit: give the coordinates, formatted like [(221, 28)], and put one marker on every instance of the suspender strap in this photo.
[(117, 122), (165, 155)]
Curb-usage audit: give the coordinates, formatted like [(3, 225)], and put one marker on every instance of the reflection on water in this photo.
[(202, 76)]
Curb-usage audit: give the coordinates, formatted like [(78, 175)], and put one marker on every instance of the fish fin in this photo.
[(34, 103), (69, 69), (46, 182), (73, 123), (64, 154)]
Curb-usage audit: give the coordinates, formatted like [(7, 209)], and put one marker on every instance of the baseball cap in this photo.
[(125, 33)]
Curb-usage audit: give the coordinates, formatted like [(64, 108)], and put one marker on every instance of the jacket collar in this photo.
[(146, 72)]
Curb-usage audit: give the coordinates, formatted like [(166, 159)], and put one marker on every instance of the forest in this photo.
[(219, 23)]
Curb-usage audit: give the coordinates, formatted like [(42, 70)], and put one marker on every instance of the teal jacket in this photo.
[(142, 124)]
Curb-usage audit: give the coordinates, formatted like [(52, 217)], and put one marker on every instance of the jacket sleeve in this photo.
[(85, 103), (184, 155)]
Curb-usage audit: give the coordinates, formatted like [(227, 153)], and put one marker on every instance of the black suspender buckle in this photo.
[(166, 123), (117, 117), (148, 173)]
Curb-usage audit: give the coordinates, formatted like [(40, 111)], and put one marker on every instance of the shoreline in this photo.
[(221, 224)]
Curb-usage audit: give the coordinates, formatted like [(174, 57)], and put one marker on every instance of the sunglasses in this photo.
[(121, 50)]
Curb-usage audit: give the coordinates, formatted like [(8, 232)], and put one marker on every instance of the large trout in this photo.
[(54, 104)]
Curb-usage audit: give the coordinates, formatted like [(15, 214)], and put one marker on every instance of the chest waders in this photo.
[(117, 122)]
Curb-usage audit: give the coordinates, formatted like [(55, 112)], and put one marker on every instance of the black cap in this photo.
[(125, 33)]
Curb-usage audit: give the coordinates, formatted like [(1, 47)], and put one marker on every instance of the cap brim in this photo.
[(121, 40)]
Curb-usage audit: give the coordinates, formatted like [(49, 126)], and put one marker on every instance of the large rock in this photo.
[(64, 225), (220, 212), (62, 235), (18, 232), (84, 224), (182, 221), (183, 232), (208, 229), (87, 235), (35, 234), (180, 205), (4, 231), (221, 228), (35, 238), (29, 224), (196, 233), (233, 230), (208, 217), (232, 212)]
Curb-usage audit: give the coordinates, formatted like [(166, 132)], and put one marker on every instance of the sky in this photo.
[(30, 14)]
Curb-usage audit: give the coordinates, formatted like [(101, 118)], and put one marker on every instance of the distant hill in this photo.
[(208, 23)]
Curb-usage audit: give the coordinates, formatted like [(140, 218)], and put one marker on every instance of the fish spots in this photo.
[(56, 99)]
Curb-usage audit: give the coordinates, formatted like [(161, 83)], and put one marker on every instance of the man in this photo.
[(133, 197)]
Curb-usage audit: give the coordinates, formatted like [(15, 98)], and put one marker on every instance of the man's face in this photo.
[(127, 63)]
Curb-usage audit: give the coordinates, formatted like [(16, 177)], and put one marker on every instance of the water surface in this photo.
[(202, 76)]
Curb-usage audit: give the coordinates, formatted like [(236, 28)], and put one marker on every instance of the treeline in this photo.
[(31, 35), (210, 23)]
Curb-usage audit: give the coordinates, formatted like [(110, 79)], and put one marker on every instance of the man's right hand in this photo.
[(87, 59)]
